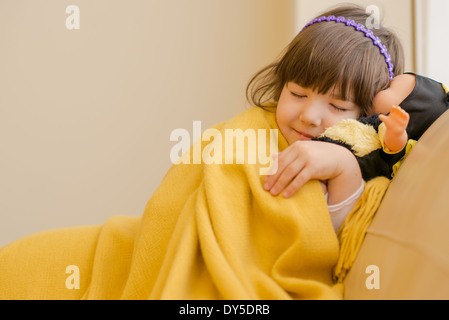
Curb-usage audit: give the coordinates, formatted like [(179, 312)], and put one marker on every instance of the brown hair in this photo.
[(330, 55)]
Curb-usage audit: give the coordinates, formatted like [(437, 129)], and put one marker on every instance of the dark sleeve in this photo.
[(378, 164), (375, 164)]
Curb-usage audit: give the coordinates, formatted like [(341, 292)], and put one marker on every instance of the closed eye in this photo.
[(298, 95), (338, 108)]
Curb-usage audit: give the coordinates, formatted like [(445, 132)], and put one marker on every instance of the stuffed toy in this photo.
[(381, 142)]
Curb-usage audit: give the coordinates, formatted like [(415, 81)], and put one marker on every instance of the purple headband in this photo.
[(359, 27)]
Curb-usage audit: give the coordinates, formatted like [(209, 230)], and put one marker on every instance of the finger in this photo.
[(275, 169), (288, 175), (401, 115), (283, 160), (383, 117), (302, 178), (396, 121), (395, 112), (389, 121), (274, 165)]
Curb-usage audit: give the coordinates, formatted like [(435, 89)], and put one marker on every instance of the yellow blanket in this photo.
[(210, 231)]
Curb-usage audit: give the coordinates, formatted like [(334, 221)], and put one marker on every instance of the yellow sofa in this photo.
[(405, 254)]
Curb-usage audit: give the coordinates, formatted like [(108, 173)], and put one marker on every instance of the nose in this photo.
[(311, 115)]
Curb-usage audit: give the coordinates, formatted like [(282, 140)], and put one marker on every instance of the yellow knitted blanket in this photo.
[(210, 231), (352, 233)]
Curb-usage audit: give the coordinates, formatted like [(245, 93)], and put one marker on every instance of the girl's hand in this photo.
[(306, 160)]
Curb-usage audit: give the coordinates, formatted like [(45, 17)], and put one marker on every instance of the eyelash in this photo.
[(297, 95), (333, 106), (338, 109)]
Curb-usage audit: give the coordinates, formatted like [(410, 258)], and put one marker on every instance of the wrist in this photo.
[(396, 143), (347, 179)]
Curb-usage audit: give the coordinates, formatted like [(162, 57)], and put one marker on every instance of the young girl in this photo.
[(331, 71), (210, 231)]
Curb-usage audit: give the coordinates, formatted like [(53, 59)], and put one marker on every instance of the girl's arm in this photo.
[(347, 181), (307, 160)]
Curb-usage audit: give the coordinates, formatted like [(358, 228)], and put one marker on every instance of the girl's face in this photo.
[(303, 114)]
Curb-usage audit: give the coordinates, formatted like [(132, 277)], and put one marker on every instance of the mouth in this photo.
[(303, 136)]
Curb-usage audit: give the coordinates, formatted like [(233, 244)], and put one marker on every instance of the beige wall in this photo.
[(86, 115), (431, 50)]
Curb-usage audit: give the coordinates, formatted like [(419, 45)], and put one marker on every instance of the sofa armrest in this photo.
[(405, 254)]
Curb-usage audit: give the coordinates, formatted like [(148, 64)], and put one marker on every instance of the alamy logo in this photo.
[(228, 149), (373, 21), (72, 22), (373, 280), (73, 280)]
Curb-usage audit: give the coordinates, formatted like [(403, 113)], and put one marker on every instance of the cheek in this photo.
[(281, 117), (282, 110), (334, 119)]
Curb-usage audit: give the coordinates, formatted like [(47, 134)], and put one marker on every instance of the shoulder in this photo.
[(404, 82), (400, 88)]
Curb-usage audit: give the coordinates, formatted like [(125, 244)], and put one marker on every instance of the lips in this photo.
[(303, 136)]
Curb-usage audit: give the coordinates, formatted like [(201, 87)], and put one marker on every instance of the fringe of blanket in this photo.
[(353, 231)]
